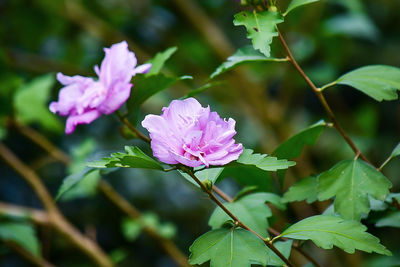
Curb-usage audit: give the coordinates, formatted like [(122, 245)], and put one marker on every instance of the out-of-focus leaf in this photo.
[(21, 233), (197, 91), (210, 174), (72, 180), (261, 28), (146, 86), (328, 231), (377, 81), (131, 229), (250, 209), (244, 55), (305, 189), (263, 161), (118, 255), (86, 186), (396, 151), (159, 60), (292, 147), (297, 3), (390, 220), (133, 158), (229, 247), (351, 182), (354, 25), (30, 103)]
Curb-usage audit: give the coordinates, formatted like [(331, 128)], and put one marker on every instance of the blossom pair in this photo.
[(185, 133)]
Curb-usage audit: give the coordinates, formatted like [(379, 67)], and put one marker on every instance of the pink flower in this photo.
[(84, 99), (189, 134)]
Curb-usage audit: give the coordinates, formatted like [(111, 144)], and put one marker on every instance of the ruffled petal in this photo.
[(84, 118), (115, 98)]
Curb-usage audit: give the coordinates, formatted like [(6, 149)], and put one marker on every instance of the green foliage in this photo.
[(250, 209), (21, 233), (285, 248), (328, 231), (377, 81), (229, 248), (146, 86), (292, 147), (297, 3), (159, 60), (392, 219), (201, 89), (133, 158), (31, 106), (244, 55), (261, 28), (74, 179), (210, 174), (351, 182), (305, 189), (132, 228), (264, 162), (396, 151)]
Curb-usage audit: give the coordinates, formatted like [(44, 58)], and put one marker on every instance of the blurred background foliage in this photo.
[(270, 102)]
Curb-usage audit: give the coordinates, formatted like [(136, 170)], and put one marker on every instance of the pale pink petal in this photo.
[(115, 98), (142, 68), (85, 118)]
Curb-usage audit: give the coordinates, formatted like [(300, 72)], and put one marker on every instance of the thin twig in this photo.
[(35, 215), (322, 99), (235, 219), (133, 213), (125, 121), (58, 220)]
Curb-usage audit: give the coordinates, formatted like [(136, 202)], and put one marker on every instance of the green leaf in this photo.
[(244, 55), (146, 86), (131, 229), (72, 180), (305, 189), (250, 209), (328, 231), (132, 158), (159, 60), (228, 248), (396, 151), (201, 89), (292, 147), (264, 162), (82, 187), (297, 3), (261, 28), (351, 182), (21, 233), (30, 103), (390, 220), (377, 81), (210, 174)]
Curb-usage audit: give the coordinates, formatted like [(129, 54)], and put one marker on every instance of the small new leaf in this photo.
[(132, 158), (392, 219), (210, 174), (264, 162), (244, 55), (250, 209), (261, 28), (396, 151), (229, 248), (292, 147), (159, 60), (328, 231), (305, 189), (297, 3), (377, 81), (351, 182)]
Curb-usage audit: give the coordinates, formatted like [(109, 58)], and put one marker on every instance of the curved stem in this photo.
[(235, 219), (322, 99), (58, 220), (131, 127)]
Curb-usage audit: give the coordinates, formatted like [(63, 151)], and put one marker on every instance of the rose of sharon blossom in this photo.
[(189, 134), (84, 99)]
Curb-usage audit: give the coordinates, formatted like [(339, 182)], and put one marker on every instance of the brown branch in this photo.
[(134, 214), (28, 256), (58, 220), (322, 99), (131, 127), (168, 246), (235, 219), (36, 216)]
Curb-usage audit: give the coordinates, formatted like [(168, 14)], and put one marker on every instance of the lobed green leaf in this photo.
[(261, 28), (328, 231), (351, 182), (263, 161), (305, 189)]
